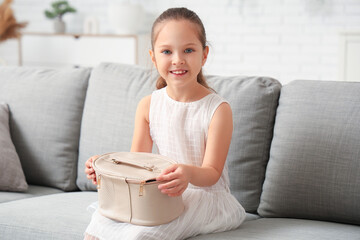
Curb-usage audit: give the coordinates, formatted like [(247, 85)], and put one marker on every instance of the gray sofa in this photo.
[(294, 159)]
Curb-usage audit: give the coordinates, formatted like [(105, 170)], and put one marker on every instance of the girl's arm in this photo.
[(217, 146), (142, 141)]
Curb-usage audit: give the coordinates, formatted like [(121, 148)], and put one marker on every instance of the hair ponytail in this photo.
[(160, 83)]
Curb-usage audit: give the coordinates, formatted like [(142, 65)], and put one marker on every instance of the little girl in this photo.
[(189, 123)]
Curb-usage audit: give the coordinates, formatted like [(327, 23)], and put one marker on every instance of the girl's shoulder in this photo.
[(146, 99), (218, 100), (144, 103)]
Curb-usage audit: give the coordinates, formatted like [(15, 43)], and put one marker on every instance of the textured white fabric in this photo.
[(179, 131)]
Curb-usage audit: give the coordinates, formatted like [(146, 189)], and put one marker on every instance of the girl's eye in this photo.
[(189, 50), (166, 52)]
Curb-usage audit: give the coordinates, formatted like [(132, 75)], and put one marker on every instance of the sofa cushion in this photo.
[(108, 120), (286, 229), (314, 165), (253, 101), (32, 191), (45, 115), (57, 216), (115, 90), (12, 177)]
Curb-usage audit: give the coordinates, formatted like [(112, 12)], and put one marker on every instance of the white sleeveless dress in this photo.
[(179, 131)]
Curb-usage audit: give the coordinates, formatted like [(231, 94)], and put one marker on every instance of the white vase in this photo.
[(59, 26), (91, 25), (125, 18)]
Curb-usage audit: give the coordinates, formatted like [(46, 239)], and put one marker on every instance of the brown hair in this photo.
[(180, 14)]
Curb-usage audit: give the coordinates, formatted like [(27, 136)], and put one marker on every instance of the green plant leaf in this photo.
[(49, 14), (59, 9)]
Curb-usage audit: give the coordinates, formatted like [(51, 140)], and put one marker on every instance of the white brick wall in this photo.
[(284, 39)]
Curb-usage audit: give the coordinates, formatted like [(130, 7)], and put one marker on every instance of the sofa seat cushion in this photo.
[(285, 229), (32, 191), (45, 115), (57, 216)]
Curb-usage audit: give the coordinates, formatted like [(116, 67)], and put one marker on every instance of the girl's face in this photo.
[(178, 53)]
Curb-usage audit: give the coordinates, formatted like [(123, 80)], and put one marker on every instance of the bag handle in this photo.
[(151, 168)]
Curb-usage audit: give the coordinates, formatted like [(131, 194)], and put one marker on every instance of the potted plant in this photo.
[(59, 8)]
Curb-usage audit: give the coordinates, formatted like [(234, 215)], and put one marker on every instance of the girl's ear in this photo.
[(205, 54), (152, 56)]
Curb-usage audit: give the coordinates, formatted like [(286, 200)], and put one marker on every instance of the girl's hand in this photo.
[(177, 177), (90, 172)]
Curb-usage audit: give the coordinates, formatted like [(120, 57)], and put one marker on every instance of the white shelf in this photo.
[(75, 50)]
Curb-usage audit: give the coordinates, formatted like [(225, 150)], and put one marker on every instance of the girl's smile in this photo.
[(179, 72)]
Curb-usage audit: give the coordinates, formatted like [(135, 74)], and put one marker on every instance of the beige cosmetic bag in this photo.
[(128, 190)]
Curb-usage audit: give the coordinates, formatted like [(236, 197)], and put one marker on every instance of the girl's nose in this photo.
[(178, 60)]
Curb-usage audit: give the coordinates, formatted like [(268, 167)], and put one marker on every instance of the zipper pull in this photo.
[(141, 191), (98, 181)]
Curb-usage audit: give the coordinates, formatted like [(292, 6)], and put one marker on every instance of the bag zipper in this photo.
[(141, 191), (98, 181), (142, 183)]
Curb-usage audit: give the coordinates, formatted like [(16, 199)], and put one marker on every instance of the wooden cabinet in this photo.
[(73, 50), (349, 56)]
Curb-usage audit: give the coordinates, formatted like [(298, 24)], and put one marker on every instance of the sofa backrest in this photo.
[(109, 112), (115, 90), (45, 115), (314, 166)]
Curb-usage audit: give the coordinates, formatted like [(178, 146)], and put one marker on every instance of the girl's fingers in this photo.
[(91, 176), (177, 193), (169, 173), (89, 170), (88, 163), (167, 177), (172, 190), (170, 169), (176, 180), (171, 184)]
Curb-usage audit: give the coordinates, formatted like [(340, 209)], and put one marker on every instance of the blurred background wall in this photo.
[(284, 39)]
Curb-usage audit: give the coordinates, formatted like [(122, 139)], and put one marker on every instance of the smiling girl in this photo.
[(189, 123)]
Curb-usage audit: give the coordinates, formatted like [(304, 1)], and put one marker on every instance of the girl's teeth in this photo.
[(179, 72)]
